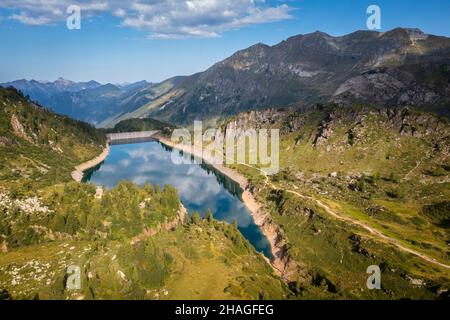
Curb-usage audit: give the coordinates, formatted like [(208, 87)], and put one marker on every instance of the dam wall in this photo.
[(129, 137)]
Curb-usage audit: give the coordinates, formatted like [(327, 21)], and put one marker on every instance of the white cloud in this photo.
[(25, 18), (161, 18)]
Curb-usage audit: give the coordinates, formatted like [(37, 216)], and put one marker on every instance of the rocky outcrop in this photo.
[(19, 130), (166, 226), (4, 247), (5, 141), (380, 87)]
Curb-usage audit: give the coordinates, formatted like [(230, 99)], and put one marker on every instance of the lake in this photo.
[(200, 186)]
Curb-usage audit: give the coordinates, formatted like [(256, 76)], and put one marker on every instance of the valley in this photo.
[(363, 179), (399, 67), (49, 224)]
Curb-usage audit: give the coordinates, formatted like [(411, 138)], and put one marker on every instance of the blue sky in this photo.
[(131, 40)]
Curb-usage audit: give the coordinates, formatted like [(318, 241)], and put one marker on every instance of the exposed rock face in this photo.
[(258, 119), (362, 125), (386, 86), (19, 129), (4, 247), (325, 130), (167, 226), (410, 123), (267, 119), (400, 67), (6, 141), (404, 120), (171, 225)]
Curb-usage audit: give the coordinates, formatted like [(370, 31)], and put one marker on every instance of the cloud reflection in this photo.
[(199, 189)]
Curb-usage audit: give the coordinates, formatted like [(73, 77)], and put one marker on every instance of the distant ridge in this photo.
[(400, 67)]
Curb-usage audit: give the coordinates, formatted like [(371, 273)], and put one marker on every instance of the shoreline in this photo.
[(281, 261), (78, 173)]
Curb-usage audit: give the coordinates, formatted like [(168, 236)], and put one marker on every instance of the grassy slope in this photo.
[(135, 125), (48, 147), (394, 175)]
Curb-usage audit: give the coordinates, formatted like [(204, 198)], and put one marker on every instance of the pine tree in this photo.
[(195, 218), (209, 216)]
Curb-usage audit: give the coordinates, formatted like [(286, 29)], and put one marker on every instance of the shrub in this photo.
[(439, 213), (195, 218)]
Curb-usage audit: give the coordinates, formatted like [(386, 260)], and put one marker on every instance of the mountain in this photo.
[(399, 67), (139, 103), (358, 186), (39, 147), (138, 84), (87, 105)]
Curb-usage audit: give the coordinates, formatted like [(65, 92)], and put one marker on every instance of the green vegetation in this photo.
[(135, 125), (385, 170), (439, 213), (201, 260), (129, 242)]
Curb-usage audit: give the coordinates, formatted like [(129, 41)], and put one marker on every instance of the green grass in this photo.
[(391, 186), (44, 148), (134, 125), (121, 242)]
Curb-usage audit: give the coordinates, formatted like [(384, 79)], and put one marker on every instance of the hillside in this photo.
[(359, 186), (400, 67), (133, 243), (129, 242), (38, 147), (135, 125), (42, 91), (91, 101)]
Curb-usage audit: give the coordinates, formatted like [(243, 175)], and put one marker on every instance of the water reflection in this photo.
[(200, 186)]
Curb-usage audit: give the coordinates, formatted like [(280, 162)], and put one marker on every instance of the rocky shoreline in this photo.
[(78, 173), (282, 263)]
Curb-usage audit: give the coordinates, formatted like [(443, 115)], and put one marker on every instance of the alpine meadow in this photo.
[(224, 150)]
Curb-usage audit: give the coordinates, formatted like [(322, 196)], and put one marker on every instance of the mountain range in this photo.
[(401, 67), (88, 101)]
